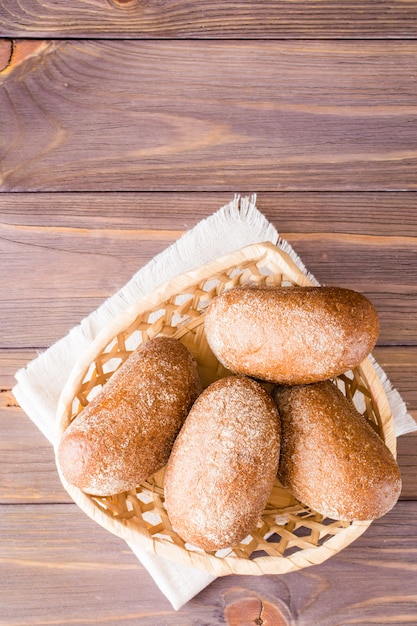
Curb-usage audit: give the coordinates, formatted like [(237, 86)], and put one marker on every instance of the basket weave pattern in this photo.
[(289, 536)]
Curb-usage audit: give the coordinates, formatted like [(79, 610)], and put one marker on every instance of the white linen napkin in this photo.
[(232, 227)]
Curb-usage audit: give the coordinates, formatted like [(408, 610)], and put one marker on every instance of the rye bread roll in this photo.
[(332, 459), (223, 464), (291, 335), (126, 432)]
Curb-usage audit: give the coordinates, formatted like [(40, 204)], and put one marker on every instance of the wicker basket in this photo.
[(290, 536)]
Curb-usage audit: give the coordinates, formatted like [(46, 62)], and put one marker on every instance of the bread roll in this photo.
[(223, 464), (291, 335), (126, 432), (332, 459)]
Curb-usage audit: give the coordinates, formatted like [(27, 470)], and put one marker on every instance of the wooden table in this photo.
[(122, 124)]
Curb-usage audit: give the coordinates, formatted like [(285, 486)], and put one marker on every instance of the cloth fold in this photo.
[(40, 383)]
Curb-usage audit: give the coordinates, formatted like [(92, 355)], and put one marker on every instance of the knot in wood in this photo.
[(128, 4)]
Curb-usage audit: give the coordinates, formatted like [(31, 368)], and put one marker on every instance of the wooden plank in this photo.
[(406, 454), (6, 49), (28, 472), (194, 115), (27, 465), (66, 253), (84, 574), (262, 20), (376, 213), (400, 365)]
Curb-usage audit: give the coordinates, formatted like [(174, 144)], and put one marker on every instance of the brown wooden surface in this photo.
[(112, 146), (196, 115), (244, 19), (70, 571)]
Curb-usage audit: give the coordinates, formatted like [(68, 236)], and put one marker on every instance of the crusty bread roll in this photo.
[(332, 459), (126, 432), (223, 464), (291, 335)]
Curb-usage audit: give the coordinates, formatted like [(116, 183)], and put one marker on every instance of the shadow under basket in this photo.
[(289, 536)]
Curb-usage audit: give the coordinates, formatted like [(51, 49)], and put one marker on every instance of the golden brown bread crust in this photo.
[(332, 459), (126, 433), (291, 335), (223, 464)]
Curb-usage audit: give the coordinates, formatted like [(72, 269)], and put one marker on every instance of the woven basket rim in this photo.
[(162, 293), (212, 564), (138, 536)]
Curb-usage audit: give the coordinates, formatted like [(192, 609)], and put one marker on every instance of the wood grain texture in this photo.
[(215, 19), (373, 213), (15, 52), (27, 469), (6, 50), (155, 115), (66, 253), (85, 575)]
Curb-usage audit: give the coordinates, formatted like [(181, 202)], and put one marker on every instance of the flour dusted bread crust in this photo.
[(291, 335), (126, 433), (332, 459), (223, 464)]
